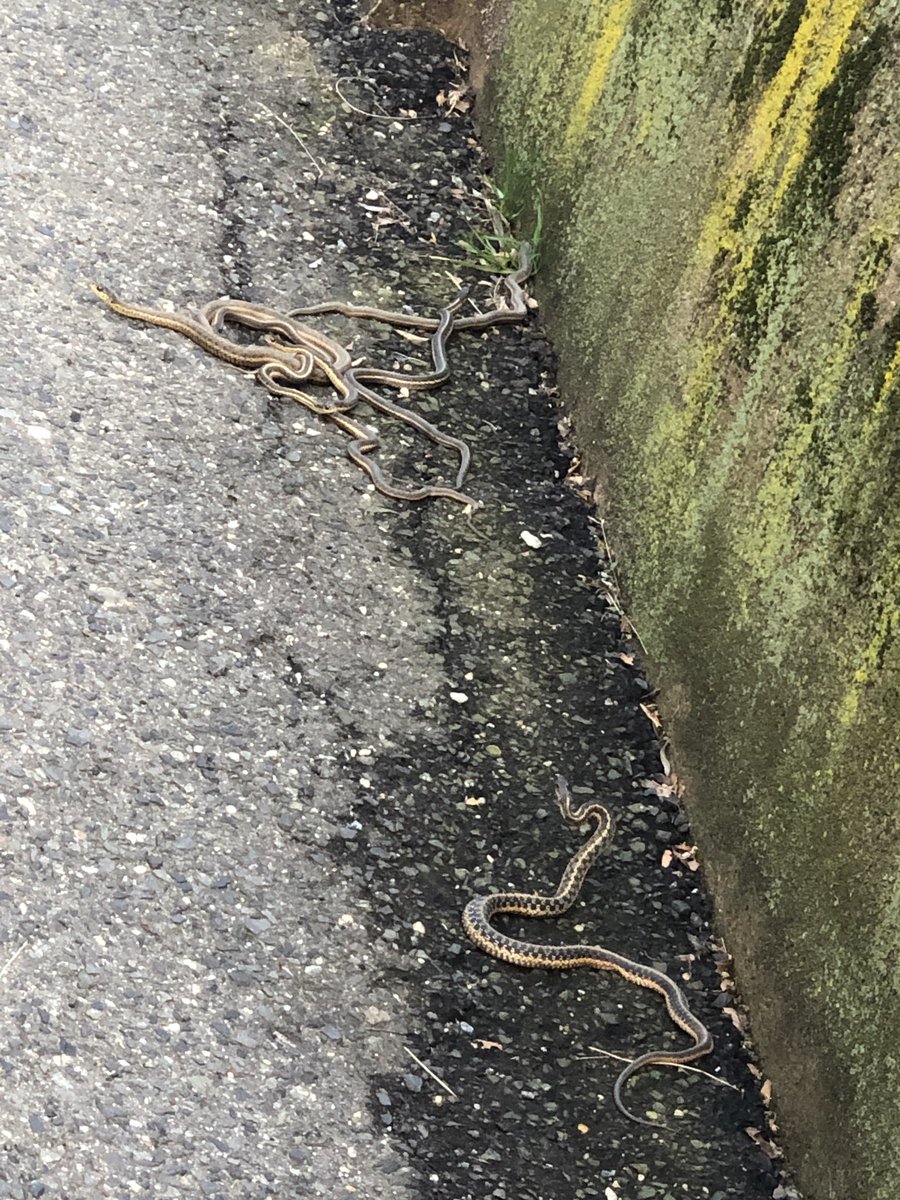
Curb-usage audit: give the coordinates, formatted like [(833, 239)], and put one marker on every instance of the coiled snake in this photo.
[(477, 924)]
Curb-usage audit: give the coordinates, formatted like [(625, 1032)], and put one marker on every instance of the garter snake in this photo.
[(351, 383), (298, 362), (515, 312), (477, 924), (258, 316), (365, 442)]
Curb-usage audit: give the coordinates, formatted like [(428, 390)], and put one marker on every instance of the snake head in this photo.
[(104, 293), (564, 799), (578, 814), (461, 296)]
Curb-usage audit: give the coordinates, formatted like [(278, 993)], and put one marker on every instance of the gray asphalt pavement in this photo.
[(189, 1004), (262, 731)]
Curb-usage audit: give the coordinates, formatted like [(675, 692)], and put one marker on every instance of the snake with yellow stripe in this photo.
[(479, 913)]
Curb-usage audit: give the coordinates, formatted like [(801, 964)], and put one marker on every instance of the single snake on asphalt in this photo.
[(293, 354), (477, 924)]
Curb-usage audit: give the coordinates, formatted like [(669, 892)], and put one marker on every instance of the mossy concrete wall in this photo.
[(721, 274)]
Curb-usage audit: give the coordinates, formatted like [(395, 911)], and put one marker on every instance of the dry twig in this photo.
[(446, 1086), (363, 112), (293, 132), (615, 594), (12, 958)]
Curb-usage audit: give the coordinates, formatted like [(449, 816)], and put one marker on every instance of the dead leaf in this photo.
[(663, 790), (666, 858), (766, 1091), (686, 855), (627, 659), (768, 1147), (583, 1128), (720, 952), (649, 711), (484, 1044), (380, 216), (474, 801), (456, 97), (736, 1019)]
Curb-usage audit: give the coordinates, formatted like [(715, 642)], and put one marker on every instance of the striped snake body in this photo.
[(514, 311), (297, 362), (479, 913), (365, 442), (272, 322)]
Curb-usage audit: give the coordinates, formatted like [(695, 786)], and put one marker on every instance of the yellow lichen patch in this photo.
[(891, 380), (772, 151), (764, 542), (777, 137), (872, 658), (607, 42), (888, 629), (678, 435), (769, 156)]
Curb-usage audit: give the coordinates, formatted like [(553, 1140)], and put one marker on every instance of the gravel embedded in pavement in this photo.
[(262, 731)]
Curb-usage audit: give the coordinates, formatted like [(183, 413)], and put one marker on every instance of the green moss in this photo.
[(809, 199), (868, 311), (720, 225), (839, 104)]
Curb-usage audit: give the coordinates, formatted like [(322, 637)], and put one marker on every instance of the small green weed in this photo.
[(496, 251)]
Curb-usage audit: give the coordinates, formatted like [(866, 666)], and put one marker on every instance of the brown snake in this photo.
[(480, 911)]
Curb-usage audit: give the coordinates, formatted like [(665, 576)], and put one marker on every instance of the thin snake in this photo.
[(351, 384), (516, 310), (479, 913), (365, 442), (298, 362)]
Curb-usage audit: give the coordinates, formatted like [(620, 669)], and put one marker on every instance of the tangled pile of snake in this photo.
[(292, 355), (478, 927)]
